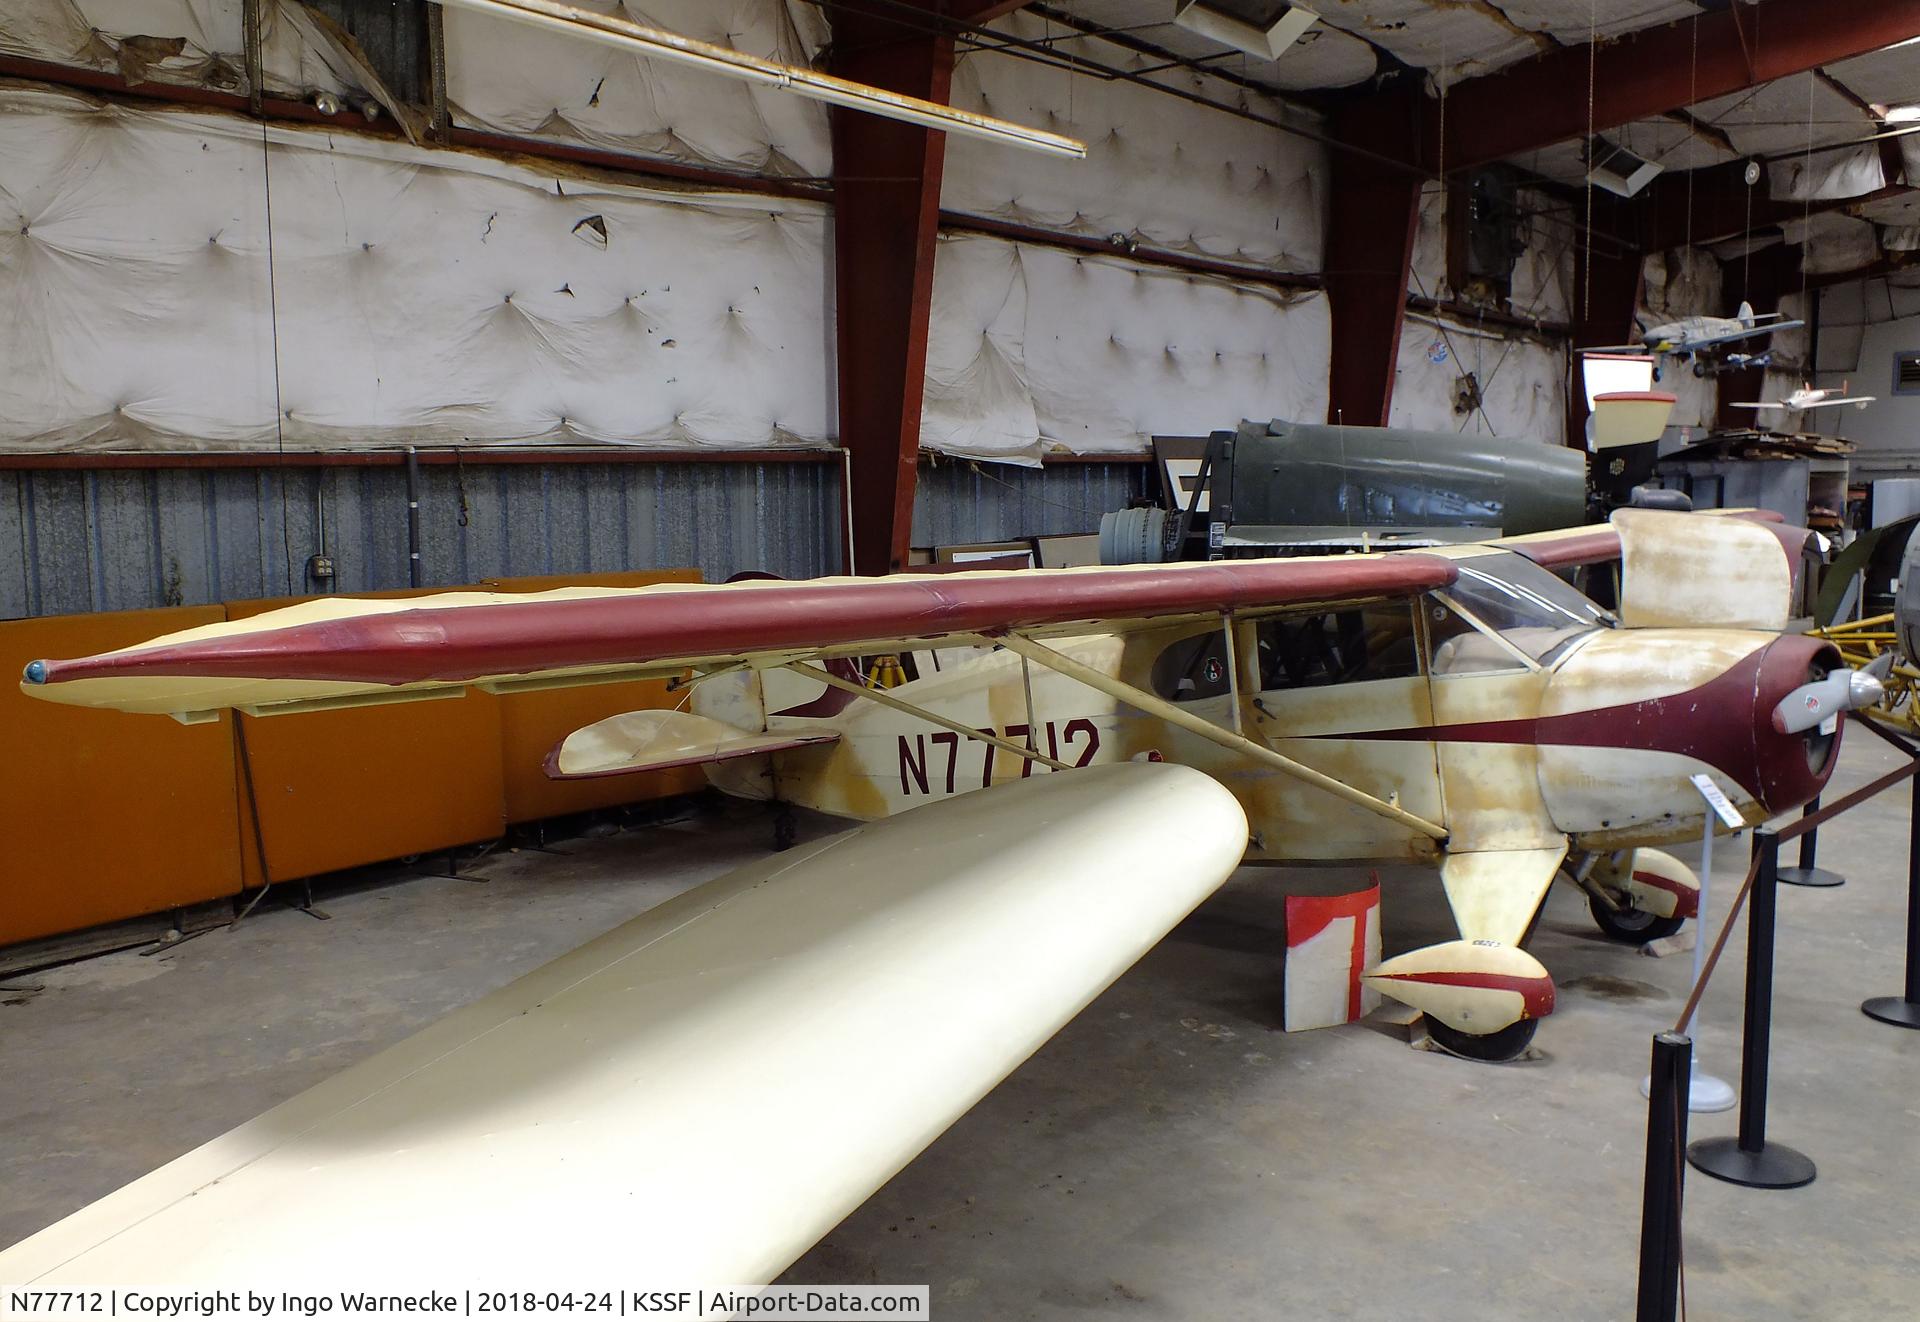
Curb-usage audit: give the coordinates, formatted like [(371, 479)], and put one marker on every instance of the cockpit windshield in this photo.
[(1526, 605)]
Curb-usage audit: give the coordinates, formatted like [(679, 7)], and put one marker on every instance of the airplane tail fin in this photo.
[(1746, 313)]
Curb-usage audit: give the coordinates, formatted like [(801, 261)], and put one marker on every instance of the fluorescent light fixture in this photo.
[(1618, 170), (655, 43), (1269, 43), (1900, 114)]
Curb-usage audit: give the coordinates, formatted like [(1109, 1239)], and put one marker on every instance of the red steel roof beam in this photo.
[(1544, 100)]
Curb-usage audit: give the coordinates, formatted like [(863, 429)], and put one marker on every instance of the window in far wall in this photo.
[(1906, 372)]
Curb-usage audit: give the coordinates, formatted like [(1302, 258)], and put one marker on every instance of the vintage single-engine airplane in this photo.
[(1688, 336), (1462, 705), (1808, 397)]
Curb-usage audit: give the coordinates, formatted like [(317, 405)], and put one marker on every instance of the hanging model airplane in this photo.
[(1733, 362), (1462, 706), (1688, 336), (1807, 397)]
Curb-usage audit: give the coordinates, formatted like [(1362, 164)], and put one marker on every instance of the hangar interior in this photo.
[(320, 299)]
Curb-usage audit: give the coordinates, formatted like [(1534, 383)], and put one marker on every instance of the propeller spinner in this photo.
[(1843, 690)]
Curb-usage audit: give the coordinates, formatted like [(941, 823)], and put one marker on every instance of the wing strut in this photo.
[(1167, 711), (886, 699)]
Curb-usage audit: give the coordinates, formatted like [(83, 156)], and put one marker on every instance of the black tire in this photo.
[(786, 829), (1633, 927), (1502, 1045)]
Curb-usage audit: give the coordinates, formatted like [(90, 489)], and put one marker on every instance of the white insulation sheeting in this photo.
[(1160, 171), (1522, 383), (506, 77), (1544, 274), (1427, 273), (1036, 348), (420, 297), (1541, 281), (1832, 242), (197, 42)]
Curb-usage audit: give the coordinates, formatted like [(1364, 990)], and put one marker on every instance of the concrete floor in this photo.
[(1170, 1154)]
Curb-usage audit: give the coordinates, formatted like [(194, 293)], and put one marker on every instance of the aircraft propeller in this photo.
[(1843, 690)]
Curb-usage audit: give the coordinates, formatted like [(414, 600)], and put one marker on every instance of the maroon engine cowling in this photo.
[(1789, 769)]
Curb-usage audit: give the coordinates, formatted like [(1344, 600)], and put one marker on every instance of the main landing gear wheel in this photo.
[(1505, 1044), (1633, 926)]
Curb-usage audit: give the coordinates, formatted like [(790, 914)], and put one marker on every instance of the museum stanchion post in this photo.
[(1805, 873), (1749, 1158), (1665, 1180), (1904, 1010)]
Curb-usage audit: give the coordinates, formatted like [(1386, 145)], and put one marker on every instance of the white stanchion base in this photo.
[(1705, 1093)]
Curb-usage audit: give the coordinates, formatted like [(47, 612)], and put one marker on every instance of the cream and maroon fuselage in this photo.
[(1594, 749)]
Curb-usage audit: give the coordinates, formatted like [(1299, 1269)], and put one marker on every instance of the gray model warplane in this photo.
[(1690, 335)]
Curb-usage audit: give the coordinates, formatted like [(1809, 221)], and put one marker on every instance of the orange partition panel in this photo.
[(532, 723), (337, 789), (108, 816)]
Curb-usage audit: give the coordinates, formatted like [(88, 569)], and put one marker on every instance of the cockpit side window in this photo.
[(1533, 612), (1461, 649), (1338, 647)]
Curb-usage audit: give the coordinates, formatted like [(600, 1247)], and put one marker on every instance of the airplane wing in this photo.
[(696, 1096), (1769, 404), (1747, 333), (340, 651)]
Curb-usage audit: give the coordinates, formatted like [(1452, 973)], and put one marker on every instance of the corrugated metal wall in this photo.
[(960, 501), (392, 34), (123, 539)]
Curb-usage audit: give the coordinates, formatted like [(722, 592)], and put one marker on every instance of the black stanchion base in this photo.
[(1774, 1166), (1811, 877), (1897, 1010)]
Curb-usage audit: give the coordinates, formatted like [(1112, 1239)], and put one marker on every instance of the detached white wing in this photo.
[(699, 1095)]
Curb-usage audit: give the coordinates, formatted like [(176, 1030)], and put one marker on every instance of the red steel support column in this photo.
[(1371, 220), (886, 186)]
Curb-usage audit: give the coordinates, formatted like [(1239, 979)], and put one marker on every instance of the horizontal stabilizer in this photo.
[(703, 1092), (659, 740)]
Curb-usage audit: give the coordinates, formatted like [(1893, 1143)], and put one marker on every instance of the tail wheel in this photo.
[(1501, 1045), (1635, 927)]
